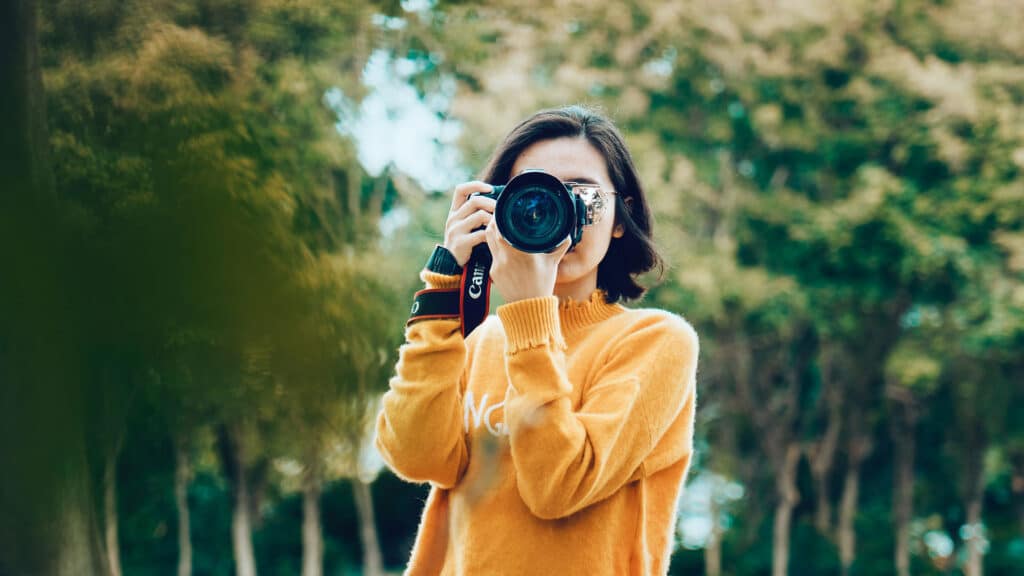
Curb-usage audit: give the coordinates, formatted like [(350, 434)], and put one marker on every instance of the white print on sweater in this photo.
[(482, 414)]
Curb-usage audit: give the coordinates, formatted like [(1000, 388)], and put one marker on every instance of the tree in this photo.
[(46, 488), (199, 165)]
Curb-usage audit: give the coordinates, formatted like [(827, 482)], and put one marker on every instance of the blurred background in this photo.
[(214, 211)]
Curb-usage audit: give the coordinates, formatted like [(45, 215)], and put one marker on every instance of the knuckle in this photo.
[(468, 187)]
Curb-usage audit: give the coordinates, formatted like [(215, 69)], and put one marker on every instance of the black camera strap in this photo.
[(475, 289), (470, 302), (434, 303)]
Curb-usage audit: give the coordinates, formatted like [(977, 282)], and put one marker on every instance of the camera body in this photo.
[(535, 211)]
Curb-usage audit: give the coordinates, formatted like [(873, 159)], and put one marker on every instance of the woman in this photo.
[(558, 435)]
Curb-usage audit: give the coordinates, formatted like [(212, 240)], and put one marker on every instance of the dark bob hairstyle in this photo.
[(627, 257)]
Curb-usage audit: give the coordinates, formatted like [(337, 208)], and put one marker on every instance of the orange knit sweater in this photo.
[(556, 438)]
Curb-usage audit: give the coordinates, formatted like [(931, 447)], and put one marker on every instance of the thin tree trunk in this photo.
[(1017, 485), (725, 221), (375, 207), (822, 454), (788, 498), (903, 423), (1020, 514), (822, 457), (111, 544), (312, 538), (354, 195), (713, 547), (241, 522), (181, 481), (373, 564), (975, 553), (847, 515), (859, 449)]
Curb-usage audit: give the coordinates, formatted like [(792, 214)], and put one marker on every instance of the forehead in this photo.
[(568, 159)]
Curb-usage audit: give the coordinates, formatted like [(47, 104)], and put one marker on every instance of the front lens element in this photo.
[(536, 219), (534, 214)]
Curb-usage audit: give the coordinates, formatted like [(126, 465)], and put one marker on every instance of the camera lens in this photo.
[(535, 212)]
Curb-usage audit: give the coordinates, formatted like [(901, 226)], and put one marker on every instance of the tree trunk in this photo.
[(1020, 515), (375, 208), (974, 540), (973, 493), (48, 524), (373, 564), (312, 539), (788, 498), (75, 536), (241, 521), (181, 481), (902, 425), (822, 454), (241, 529), (847, 515), (822, 458), (111, 544), (858, 452), (1017, 486), (1021, 520), (25, 136), (354, 195), (713, 547), (725, 221)]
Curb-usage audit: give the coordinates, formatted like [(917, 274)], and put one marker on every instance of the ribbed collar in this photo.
[(575, 315)]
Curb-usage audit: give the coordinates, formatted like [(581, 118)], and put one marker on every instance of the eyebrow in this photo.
[(583, 180)]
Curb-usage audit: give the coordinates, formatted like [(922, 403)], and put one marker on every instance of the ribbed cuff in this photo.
[(531, 323), (435, 280)]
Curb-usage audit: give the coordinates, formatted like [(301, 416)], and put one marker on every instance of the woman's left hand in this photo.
[(520, 275)]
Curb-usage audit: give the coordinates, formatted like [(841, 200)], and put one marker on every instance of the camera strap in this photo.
[(470, 302), (475, 289), (434, 303)]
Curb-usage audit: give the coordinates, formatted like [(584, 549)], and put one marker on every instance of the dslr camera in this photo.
[(536, 211)]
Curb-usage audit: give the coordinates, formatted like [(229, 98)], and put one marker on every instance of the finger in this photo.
[(456, 233), (462, 245), (465, 190), (474, 204), (477, 219), (474, 238)]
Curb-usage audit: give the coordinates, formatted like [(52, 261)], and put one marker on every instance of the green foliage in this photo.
[(230, 278)]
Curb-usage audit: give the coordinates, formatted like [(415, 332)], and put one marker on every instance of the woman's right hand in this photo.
[(468, 219)]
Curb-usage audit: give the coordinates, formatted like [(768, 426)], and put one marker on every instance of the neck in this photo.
[(578, 290)]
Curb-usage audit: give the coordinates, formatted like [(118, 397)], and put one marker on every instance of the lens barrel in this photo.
[(535, 212)]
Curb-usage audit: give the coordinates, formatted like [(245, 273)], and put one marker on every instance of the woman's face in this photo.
[(576, 160)]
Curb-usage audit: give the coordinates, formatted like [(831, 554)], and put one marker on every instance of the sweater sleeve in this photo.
[(419, 427), (568, 459)]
